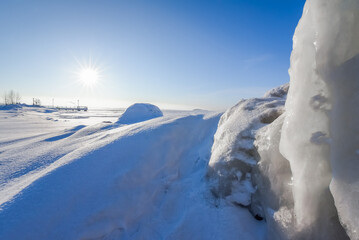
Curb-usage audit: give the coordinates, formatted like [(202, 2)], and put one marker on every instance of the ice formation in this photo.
[(320, 134), (274, 182), (234, 156), (306, 182), (139, 112)]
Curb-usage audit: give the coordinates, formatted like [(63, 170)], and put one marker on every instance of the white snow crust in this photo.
[(139, 112)]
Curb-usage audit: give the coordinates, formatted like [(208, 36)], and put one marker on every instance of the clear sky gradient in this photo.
[(177, 54)]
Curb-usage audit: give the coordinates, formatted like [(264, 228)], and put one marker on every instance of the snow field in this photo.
[(111, 181)]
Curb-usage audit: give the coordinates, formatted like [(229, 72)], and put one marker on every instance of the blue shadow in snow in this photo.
[(62, 136)]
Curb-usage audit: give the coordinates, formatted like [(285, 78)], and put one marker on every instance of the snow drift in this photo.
[(138, 181), (139, 112)]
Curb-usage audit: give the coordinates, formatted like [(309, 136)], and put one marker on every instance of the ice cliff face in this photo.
[(300, 171), (323, 105)]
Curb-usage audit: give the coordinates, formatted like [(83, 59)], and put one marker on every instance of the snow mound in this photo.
[(140, 112)]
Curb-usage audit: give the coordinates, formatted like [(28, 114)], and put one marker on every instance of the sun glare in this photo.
[(88, 76)]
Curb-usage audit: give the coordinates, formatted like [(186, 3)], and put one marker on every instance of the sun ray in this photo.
[(89, 74)]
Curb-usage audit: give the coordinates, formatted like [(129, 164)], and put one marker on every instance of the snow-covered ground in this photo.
[(83, 175)]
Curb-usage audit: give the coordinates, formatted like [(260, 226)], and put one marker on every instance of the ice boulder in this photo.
[(234, 156), (139, 112)]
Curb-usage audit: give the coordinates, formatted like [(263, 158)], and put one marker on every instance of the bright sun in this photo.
[(89, 73), (89, 76)]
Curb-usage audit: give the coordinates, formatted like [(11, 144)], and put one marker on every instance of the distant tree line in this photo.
[(36, 102), (11, 97)]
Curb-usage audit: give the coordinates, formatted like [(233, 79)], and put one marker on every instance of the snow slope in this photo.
[(110, 181)]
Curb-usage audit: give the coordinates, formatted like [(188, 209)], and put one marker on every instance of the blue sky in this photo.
[(177, 54)]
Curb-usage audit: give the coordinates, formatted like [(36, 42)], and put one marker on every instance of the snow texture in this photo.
[(139, 112)]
